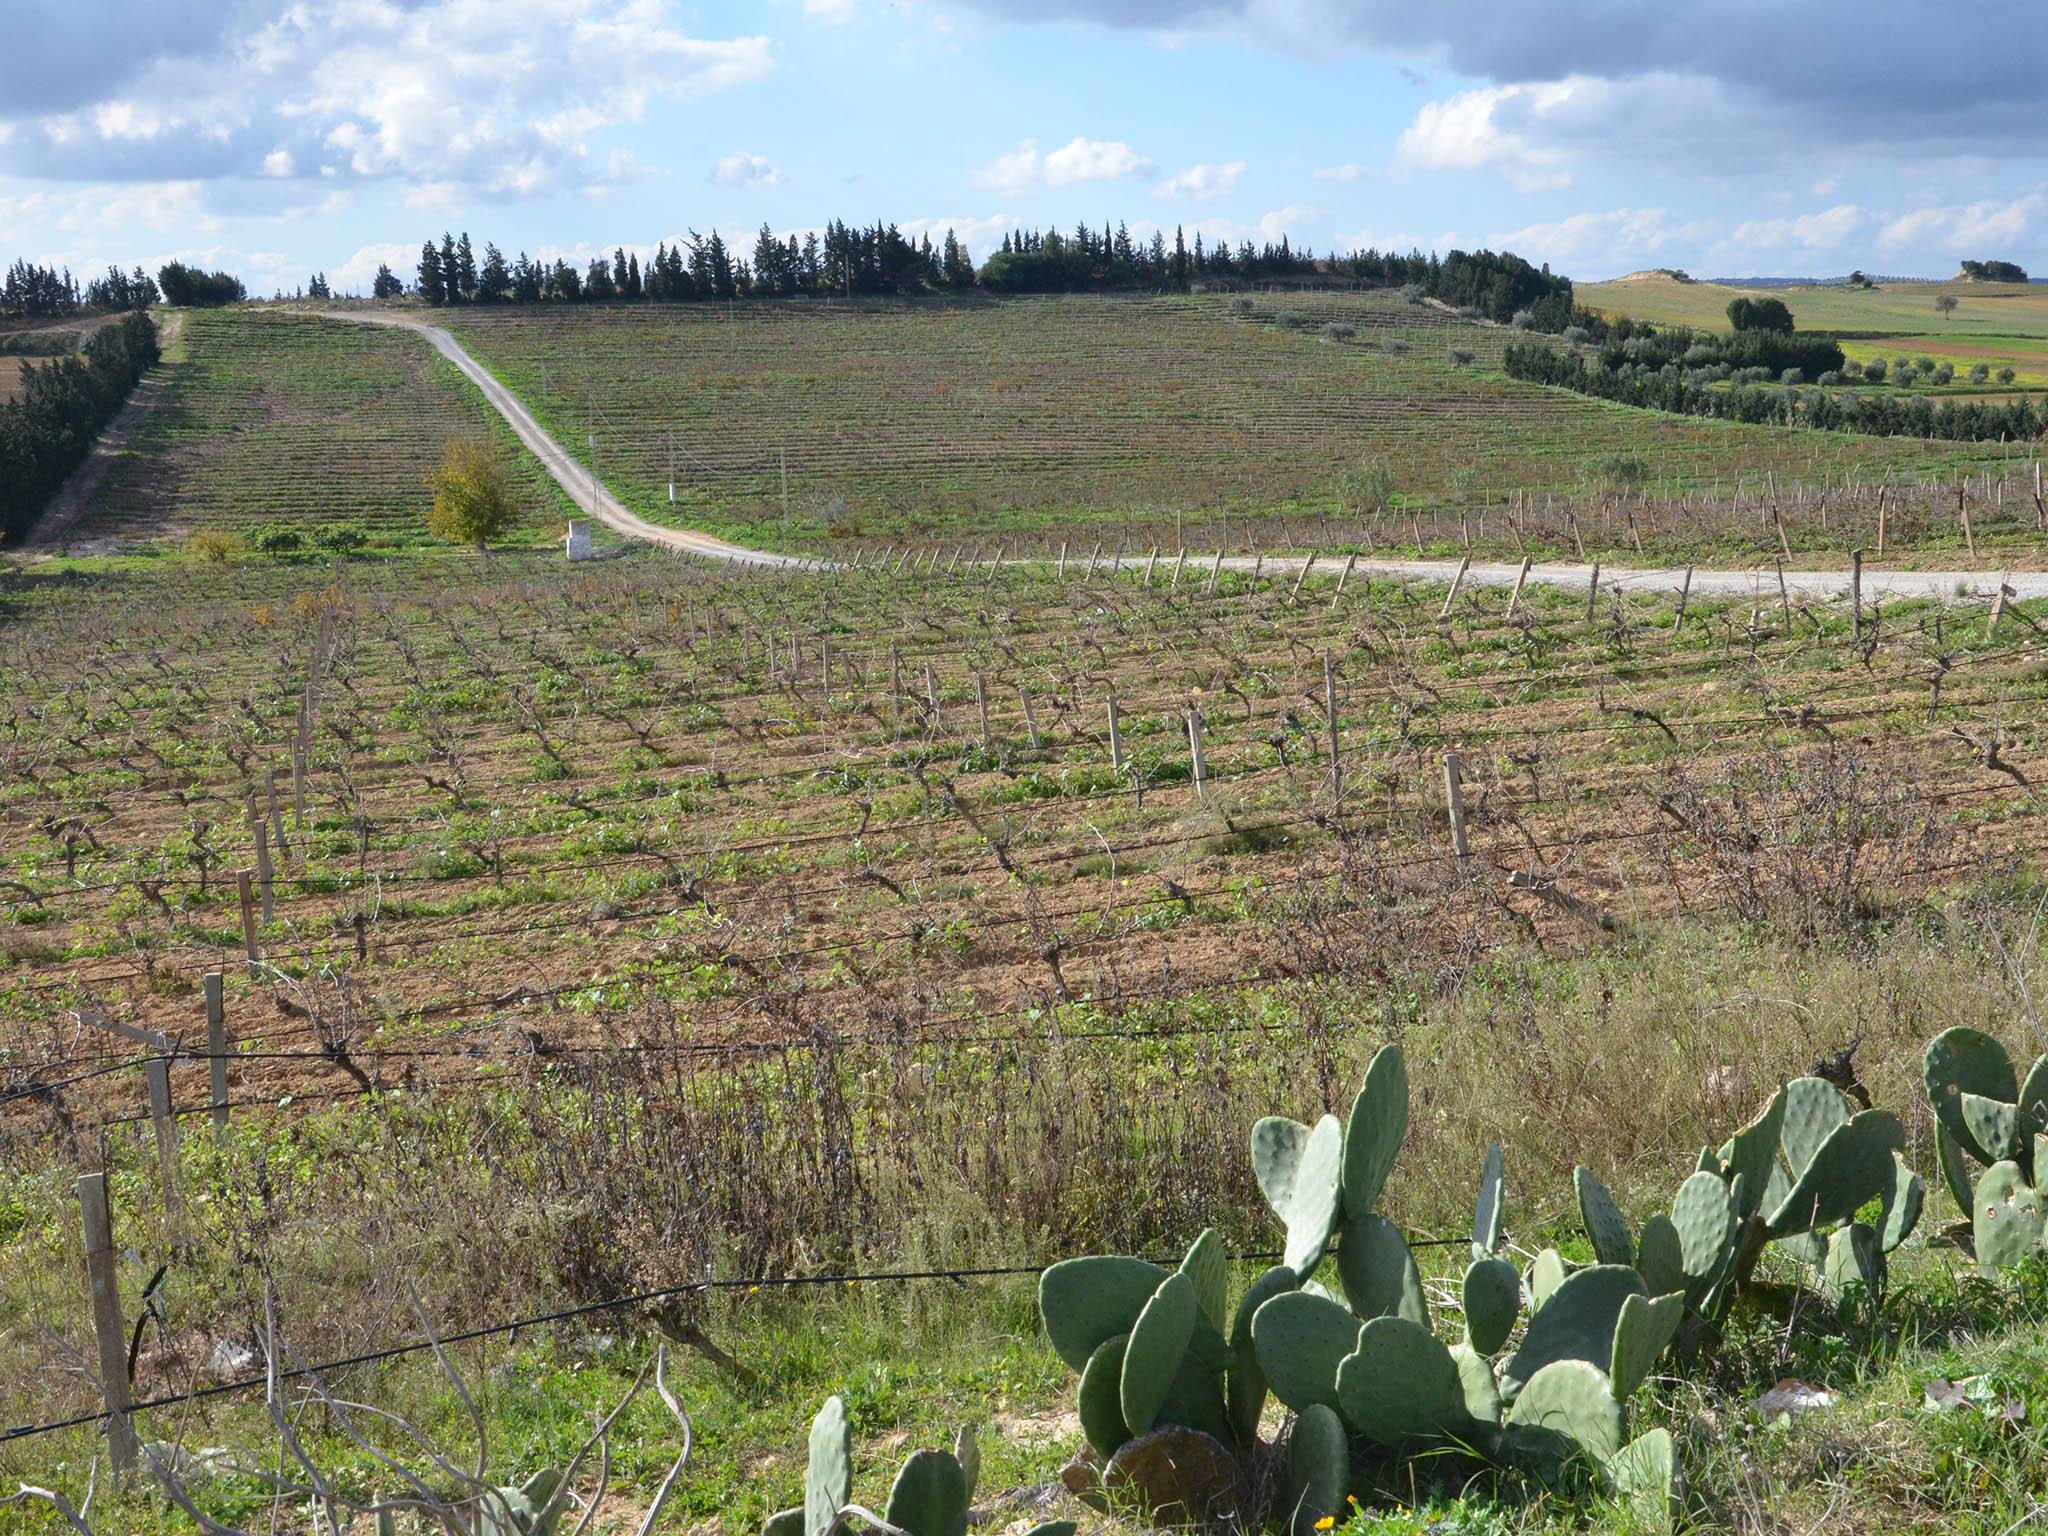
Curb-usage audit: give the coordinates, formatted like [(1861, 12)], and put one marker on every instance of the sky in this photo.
[(276, 138)]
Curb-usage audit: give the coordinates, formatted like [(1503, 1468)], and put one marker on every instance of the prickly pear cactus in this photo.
[(1576, 1323), (930, 1496), (1084, 1301), (1300, 1340), (1317, 1472), (2005, 1218), (1605, 1225), (1300, 1168), (1493, 1301), (1400, 1383), (1567, 1412), (1378, 1271), (1964, 1062), (1375, 1131)]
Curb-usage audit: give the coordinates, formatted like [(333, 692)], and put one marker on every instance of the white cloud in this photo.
[(832, 12), (740, 169), (1202, 182), (1025, 169), (1824, 231), (356, 274), (1352, 171), (1471, 131), (1967, 228), (496, 98), (980, 235), (1624, 235)]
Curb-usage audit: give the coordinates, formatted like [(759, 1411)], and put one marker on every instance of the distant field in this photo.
[(1998, 309), (1140, 418), (10, 378), (280, 418)]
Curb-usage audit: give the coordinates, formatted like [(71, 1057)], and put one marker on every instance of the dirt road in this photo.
[(584, 489)]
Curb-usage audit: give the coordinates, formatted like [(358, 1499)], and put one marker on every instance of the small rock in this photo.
[(231, 1360), (1793, 1396)]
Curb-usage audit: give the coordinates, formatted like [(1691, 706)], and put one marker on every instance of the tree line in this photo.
[(63, 403), (1697, 379), (33, 292), (844, 260)]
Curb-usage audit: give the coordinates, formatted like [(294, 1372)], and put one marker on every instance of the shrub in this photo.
[(1760, 315), (1523, 320), (1924, 364), (1904, 375), (212, 546), (1461, 357), (1397, 347), (1411, 293), (1875, 370), (1577, 335), (1945, 374), (276, 539), (1240, 306), (1852, 369), (342, 538), (1337, 330), (473, 497), (1831, 378), (2005, 375), (1979, 372), (1792, 376), (1621, 469)]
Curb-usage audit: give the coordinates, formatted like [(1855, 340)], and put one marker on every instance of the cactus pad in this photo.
[(2033, 1099), (1209, 1271), (1814, 1110), (1546, 1274), (1994, 1125), (1566, 1410), (1318, 1470), (929, 1496), (1300, 1339), (1486, 1216), (1399, 1382), (1378, 1126), (2005, 1218), (1642, 1332), (829, 1482), (1955, 1167), (1100, 1399), (1576, 1323), (1159, 1339), (1659, 1258), (1245, 1386), (1704, 1216), (1311, 1210), (1493, 1300), (1902, 1205), (1960, 1061), (1482, 1392), (1645, 1476), (1854, 1266), (1753, 1151), (1085, 1301), (1849, 1168), (1277, 1144), (1605, 1225), (1378, 1271)]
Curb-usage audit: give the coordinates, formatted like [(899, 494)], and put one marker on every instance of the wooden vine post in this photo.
[(105, 1282), (1454, 801)]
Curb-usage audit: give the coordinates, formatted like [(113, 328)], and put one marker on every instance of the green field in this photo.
[(1905, 309), (280, 419), (685, 924), (1130, 420)]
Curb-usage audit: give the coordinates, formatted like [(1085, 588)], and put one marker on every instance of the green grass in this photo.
[(1907, 309), (1135, 421), (271, 418)]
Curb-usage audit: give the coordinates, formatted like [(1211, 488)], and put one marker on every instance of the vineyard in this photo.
[(789, 968), (1250, 421), (272, 418)]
